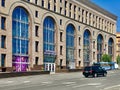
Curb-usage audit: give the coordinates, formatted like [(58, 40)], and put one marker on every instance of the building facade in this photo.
[(117, 44), (49, 34)]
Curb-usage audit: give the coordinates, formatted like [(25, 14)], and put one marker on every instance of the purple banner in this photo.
[(20, 63)]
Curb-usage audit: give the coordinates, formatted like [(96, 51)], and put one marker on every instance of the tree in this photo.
[(106, 58), (118, 59)]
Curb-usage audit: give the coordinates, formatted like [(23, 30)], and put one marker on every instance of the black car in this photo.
[(94, 71)]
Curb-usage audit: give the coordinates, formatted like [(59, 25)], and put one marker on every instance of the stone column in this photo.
[(67, 9), (63, 7), (111, 28), (40, 2), (108, 27), (100, 23), (72, 11), (84, 16), (91, 20), (88, 19), (58, 6), (97, 22), (52, 3), (76, 12), (103, 24), (46, 4), (81, 15)]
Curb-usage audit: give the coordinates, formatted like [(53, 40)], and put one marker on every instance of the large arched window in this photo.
[(86, 48), (110, 47), (70, 46), (99, 47), (49, 40), (20, 26)]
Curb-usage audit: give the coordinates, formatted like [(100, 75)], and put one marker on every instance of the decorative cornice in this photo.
[(97, 8)]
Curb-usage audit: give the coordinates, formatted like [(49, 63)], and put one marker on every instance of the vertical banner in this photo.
[(20, 63)]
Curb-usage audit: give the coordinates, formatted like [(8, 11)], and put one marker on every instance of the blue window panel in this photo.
[(20, 14), (70, 42), (99, 46), (20, 31), (52, 47), (14, 28), (14, 45), (86, 43), (45, 46), (48, 37), (110, 46), (24, 32), (48, 32)]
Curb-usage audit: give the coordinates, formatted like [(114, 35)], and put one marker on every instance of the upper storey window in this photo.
[(3, 3), (54, 1), (20, 27), (3, 23), (65, 4), (36, 1), (60, 1), (70, 6), (42, 3), (49, 5)]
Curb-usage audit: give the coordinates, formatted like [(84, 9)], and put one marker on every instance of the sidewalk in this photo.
[(18, 74), (38, 72)]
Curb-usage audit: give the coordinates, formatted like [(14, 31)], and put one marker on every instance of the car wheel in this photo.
[(104, 74)]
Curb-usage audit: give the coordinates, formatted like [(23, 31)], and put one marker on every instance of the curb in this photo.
[(19, 74)]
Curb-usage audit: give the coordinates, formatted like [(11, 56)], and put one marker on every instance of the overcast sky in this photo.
[(112, 6)]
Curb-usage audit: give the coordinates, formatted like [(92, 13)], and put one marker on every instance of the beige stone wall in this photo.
[(117, 44), (91, 25)]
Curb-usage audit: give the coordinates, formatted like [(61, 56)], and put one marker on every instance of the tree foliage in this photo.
[(106, 58), (118, 59)]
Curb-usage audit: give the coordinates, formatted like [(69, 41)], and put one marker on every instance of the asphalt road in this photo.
[(63, 81)]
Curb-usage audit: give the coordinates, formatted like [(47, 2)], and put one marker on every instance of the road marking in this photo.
[(79, 86), (71, 85), (9, 81), (46, 83), (111, 87), (89, 84), (100, 86), (68, 82), (26, 81), (94, 84)]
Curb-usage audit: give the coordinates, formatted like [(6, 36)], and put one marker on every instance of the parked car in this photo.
[(94, 71)]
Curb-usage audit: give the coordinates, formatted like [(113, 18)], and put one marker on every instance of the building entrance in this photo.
[(49, 67)]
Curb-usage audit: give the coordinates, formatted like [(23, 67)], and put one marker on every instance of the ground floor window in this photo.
[(3, 57)]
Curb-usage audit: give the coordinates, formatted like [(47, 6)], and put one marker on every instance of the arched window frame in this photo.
[(86, 47), (99, 47), (70, 31)]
